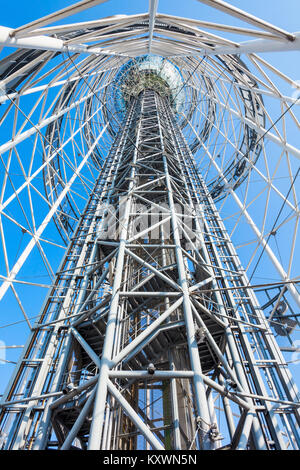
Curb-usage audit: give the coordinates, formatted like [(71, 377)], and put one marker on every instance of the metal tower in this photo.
[(151, 335)]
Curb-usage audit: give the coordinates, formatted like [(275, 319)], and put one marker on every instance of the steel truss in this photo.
[(150, 319)]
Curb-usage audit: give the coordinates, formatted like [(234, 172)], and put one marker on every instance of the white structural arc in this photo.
[(56, 45)]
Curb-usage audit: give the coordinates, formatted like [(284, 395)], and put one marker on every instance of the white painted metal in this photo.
[(234, 113)]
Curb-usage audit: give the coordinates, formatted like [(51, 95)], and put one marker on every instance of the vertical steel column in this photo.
[(101, 394), (202, 405)]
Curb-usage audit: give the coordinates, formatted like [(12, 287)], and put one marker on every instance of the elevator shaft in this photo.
[(150, 337)]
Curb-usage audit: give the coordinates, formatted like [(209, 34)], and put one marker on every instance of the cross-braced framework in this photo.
[(160, 157)]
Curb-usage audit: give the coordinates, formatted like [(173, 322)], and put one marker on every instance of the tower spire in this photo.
[(151, 317)]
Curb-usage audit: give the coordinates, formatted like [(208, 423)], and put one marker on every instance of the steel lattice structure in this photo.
[(139, 148)]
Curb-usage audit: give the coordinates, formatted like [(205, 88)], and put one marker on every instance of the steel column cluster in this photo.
[(151, 329)]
